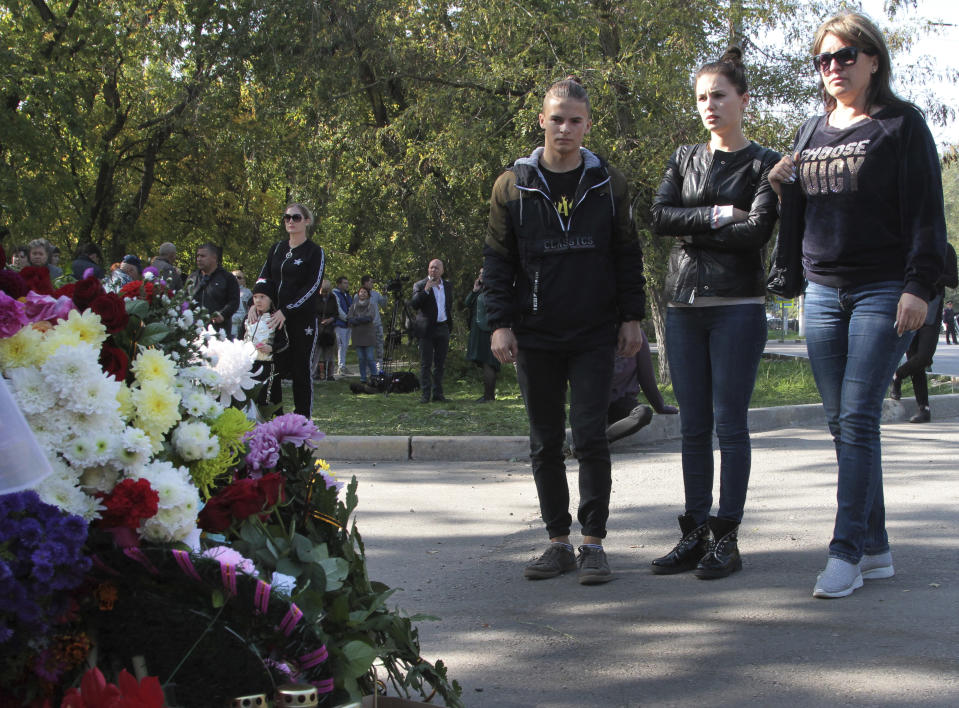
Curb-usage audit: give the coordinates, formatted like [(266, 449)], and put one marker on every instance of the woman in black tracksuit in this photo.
[(294, 271), (716, 202)]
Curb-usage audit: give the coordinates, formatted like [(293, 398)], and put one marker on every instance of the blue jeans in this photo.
[(854, 349), (714, 354), (367, 361), (543, 377)]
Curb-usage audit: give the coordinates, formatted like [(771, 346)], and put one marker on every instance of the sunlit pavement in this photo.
[(455, 537)]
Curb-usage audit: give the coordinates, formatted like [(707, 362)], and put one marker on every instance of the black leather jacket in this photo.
[(724, 262)]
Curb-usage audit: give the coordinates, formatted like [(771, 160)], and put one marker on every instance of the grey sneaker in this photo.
[(555, 561), (876, 566), (593, 566), (838, 579)]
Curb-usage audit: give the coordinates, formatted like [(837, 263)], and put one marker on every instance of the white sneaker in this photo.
[(877, 566), (838, 579)]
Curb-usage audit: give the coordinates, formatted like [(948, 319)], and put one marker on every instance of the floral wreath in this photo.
[(297, 647)]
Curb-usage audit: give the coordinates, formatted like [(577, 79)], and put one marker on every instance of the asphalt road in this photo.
[(455, 536)]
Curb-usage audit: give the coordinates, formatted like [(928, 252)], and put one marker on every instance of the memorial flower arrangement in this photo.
[(198, 533)]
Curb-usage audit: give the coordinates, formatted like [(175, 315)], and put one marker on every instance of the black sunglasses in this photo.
[(846, 56), (293, 217)]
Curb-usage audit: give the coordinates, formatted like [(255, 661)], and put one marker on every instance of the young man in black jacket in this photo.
[(560, 219), (214, 288)]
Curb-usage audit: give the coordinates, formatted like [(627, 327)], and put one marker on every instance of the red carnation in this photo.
[(86, 291), (114, 361), (138, 288), (112, 311), (215, 516), (37, 279), (130, 502)]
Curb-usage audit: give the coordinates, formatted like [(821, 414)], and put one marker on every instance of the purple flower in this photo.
[(296, 429), (331, 481), (13, 317), (12, 284), (264, 449), (46, 308), (30, 532)]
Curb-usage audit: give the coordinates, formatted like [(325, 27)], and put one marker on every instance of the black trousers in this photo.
[(543, 379), (918, 357), (272, 391), (433, 350), (302, 334)]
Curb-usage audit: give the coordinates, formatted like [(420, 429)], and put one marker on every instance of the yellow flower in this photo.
[(157, 408), (125, 399), (153, 365), (322, 464), (25, 348), (85, 327)]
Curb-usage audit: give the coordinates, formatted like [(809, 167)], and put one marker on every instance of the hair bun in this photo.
[(575, 79), (733, 55)]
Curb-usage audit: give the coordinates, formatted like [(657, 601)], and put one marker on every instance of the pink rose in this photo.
[(13, 316), (46, 308)]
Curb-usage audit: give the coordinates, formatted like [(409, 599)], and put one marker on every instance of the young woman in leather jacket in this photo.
[(716, 202)]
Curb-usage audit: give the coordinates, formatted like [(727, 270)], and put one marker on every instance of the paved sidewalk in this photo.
[(455, 537)]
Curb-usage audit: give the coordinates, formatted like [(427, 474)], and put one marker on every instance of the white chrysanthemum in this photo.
[(102, 478), (198, 376), (158, 408), (187, 319), (79, 452), (91, 424), (61, 489), (194, 441), (178, 503), (126, 408), (51, 428), (232, 360), (198, 404), (31, 390), (69, 365), (95, 394), (133, 450)]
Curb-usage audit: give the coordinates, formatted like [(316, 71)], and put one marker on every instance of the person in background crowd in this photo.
[(326, 313), (923, 346), (164, 263), (363, 332), (269, 341), (245, 304), (716, 203), (88, 256), (379, 302), (19, 257), (433, 300), (625, 415), (478, 346), (126, 271), (40, 252), (343, 301), (213, 287), (294, 270), (55, 257), (873, 242), (560, 218), (949, 320)]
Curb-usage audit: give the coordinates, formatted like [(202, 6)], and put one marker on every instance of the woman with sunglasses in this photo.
[(868, 206), (716, 203), (293, 271)]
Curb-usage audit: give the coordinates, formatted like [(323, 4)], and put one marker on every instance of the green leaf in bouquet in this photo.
[(312, 603), (290, 567), (266, 557), (138, 308), (358, 657), (319, 553), (303, 547), (317, 577), (339, 610), (336, 570), (153, 333), (218, 599), (252, 534)]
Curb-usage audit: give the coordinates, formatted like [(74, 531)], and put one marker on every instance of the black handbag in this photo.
[(786, 277)]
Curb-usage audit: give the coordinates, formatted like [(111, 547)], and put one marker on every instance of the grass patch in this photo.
[(781, 381)]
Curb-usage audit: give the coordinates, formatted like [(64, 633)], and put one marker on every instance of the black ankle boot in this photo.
[(723, 555), (896, 393), (688, 551)]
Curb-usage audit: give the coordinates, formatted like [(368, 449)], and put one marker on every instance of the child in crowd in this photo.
[(268, 342)]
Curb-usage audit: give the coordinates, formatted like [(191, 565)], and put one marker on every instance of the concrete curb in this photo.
[(480, 448)]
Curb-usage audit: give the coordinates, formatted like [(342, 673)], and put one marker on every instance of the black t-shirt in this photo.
[(562, 189), (873, 203)]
